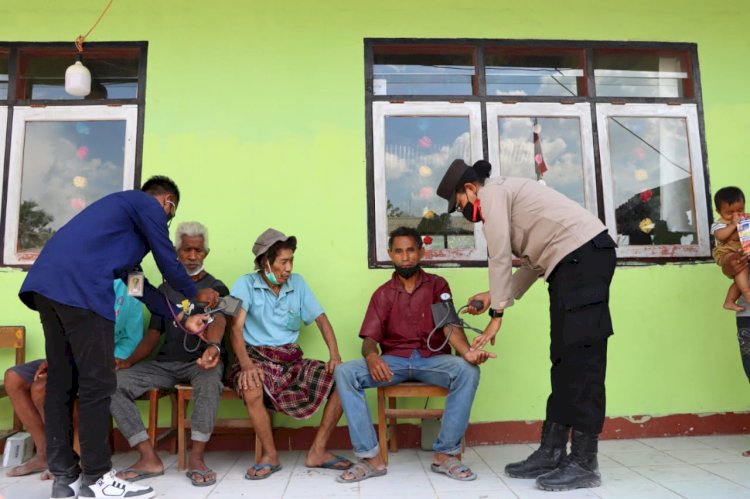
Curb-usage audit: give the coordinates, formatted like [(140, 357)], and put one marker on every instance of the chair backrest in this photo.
[(14, 337)]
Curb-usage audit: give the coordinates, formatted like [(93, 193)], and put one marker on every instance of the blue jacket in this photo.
[(106, 241)]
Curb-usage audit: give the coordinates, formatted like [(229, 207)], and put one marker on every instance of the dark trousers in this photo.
[(743, 337), (80, 353), (580, 327)]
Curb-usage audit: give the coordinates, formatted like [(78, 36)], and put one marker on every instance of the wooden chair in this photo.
[(153, 396), (231, 425), (387, 396), (13, 337)]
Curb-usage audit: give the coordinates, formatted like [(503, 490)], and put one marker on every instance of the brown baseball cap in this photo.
[(268, 239), (451, 181)]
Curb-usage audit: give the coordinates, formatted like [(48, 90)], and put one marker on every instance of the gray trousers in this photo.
[(137, 380)]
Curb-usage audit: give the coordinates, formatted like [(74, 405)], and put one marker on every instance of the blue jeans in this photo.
[(454, 373)]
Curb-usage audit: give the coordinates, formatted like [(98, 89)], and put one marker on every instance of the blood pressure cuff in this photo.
[(579, 293)]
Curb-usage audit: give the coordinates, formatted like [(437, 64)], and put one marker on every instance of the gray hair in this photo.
[(190, 229)]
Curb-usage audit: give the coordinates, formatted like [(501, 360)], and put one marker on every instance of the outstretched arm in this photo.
[(324, 325)]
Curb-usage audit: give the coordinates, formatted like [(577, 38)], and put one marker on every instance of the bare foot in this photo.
[(36, 464), (199, 472), (141, 469), (47, 475), (328, 461), (730, 305)]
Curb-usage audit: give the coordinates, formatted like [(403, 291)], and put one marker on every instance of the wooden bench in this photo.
[(230, 425)]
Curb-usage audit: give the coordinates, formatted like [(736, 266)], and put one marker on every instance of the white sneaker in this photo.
[(109, 486), (62, 490)]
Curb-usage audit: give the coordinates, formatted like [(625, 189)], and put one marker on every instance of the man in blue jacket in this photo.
[(70, 285)]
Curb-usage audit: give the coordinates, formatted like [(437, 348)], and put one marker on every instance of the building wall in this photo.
[(256, 109)]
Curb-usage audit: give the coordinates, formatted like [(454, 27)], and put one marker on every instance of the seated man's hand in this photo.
[(481, 297), (209, 359), (41, 371), (331, 364), (733, 264), (477, 357), (251, 377), (121, 364), (379, 369), (209, 296)]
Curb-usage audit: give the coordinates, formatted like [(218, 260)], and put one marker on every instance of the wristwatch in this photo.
[(494, 313)]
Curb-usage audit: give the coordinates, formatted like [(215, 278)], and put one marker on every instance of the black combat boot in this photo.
[(547, 457), (578, 470)]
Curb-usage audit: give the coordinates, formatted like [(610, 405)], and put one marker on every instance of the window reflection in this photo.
[(639, 74), (113, 76), (418, 151), (533, 73), (433, 71), (559, 147), (652, 183), (67, 165), (3, 75)]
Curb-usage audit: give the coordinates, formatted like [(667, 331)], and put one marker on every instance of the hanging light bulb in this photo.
[(77, 76), (78, 79)]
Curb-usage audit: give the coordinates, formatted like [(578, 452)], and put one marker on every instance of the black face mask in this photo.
[(407, 272), (472, 213)]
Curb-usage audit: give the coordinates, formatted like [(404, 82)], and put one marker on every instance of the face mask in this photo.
[(170, 215), (196, 272), (407, 272), (272, 277), (472, 212)]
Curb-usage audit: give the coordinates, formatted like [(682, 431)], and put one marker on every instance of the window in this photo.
[(65, 152), (616, 127)]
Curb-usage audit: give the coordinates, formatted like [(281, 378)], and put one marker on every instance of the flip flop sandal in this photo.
[(331, 464), (139, 474), (201, 473), (367, 470), (453, 468), (272, 468)]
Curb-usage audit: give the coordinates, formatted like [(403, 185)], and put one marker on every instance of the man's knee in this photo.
[(14, 383), (253, 396), (466, 372), (346, 374)]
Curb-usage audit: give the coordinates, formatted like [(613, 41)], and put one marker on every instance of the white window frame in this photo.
[(3, 134), (27, 114), (688, 112), (380, 110), (581, 110)]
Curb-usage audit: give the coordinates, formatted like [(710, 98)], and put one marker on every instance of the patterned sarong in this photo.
[(295, 386)]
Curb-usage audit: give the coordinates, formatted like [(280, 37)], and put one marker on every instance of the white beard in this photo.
[(196, 272)]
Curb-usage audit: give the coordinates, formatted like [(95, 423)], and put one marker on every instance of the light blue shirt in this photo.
[(128, 321), (275, 320)]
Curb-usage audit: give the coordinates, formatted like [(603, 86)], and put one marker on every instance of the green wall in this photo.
[(256, 109)]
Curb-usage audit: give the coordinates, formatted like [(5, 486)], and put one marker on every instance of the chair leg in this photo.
[(382, 439), (181, 450), (392, 427), (153, 414), (173, 428), (76, 439)]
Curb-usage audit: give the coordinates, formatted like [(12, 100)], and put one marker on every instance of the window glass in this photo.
[(114, 75), (67, 165), (3, 75), (652, 180), (418, 151), (430, 71), (640, 74), (546, 148), (533, 73)]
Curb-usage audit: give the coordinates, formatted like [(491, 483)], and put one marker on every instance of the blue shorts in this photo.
[(27, 370)]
